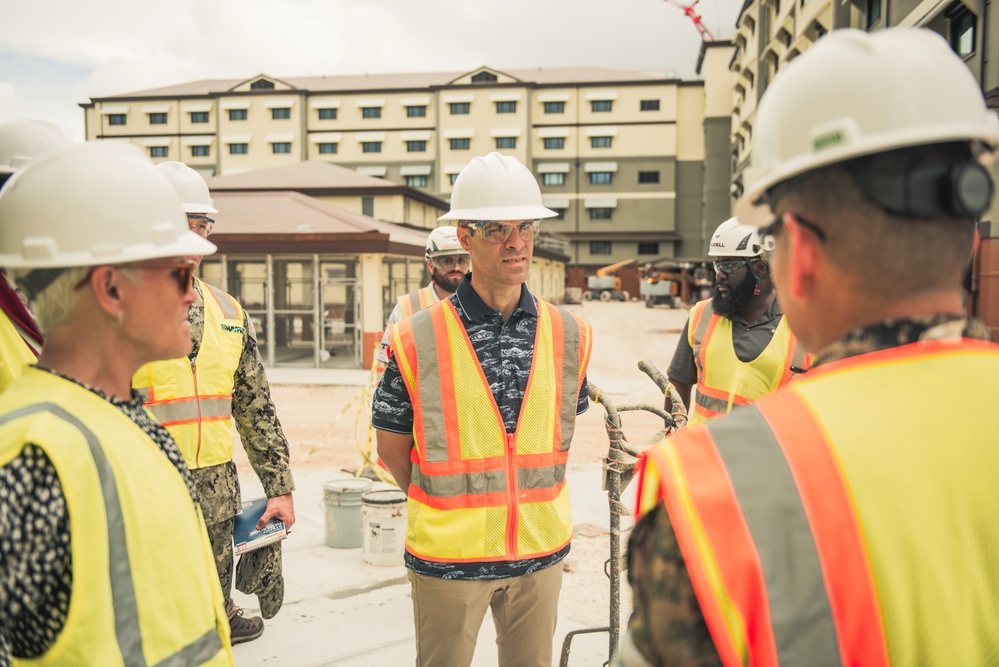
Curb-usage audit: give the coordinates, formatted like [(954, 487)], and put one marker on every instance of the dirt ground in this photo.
[(324, 423)]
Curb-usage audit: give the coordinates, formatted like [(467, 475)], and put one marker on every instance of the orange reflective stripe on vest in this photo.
[(478, 493), (416, 301)]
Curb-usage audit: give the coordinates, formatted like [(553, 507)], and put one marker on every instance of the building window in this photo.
[(371, 112), (371, 147), (237, 114), (200, 151), (506, 107), (601, 213), (116, 118), (239, 149), (281, 147), (416, 112), (199, 116), (327, 114), (601, 106), (327, 148), (962, 32), (553, 179), (417, 181), (559, 213), (873, 13), (159, 151), (648, 177), (508, 143), (649, 105), (368, 206), (554, 143), (282, 113), (157, 119), (554, 107), (484, 77), (416, 147), (600, 142), (460, 144), (262, 84), (453, 178), (601, 177), (648, 248), (460, 108), (600, 247)]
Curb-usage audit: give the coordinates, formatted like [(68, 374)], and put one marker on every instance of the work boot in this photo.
[(242, 629)]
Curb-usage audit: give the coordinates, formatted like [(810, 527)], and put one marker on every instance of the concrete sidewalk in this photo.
[(339, 610)]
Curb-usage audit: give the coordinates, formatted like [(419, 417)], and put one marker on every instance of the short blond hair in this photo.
[(58, 300)]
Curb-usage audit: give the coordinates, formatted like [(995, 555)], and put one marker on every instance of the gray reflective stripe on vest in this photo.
[(489, 481), (803, 626), (702, 328), (429, 381), (187, 409), (798, 358), (144, 392), (570, 374), (225, 301), (711, 403), (126, 611), (414, 301)]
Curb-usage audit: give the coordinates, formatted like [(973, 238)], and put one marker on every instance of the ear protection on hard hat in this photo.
[(930, 191)]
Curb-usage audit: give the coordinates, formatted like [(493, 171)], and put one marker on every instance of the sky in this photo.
[(55, 54)]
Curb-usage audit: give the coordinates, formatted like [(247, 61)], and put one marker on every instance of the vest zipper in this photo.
[(197, 403), (511, 494)]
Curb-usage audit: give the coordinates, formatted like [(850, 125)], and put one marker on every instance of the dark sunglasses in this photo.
[(730, 266), (182, 273)]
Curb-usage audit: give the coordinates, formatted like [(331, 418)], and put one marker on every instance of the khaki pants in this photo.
[(448, 614)]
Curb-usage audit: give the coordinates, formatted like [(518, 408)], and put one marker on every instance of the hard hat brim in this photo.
[(499, 213), (185, 245)]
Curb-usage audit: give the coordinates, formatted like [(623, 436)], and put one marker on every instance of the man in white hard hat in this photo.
[(447, 263), (736, 346), (199, 398), (475, 415), (20, 340), (849, 517), (104, 558)]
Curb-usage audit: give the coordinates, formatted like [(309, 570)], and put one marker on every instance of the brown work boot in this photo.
[(242, 629)]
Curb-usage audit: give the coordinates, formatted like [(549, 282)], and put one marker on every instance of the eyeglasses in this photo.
[(499, 232), (182, 273), (730, 266), (768, 234), (448, 262), (201, 225)]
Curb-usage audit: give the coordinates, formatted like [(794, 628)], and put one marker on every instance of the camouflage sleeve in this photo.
[(666, 627), (257, 420)]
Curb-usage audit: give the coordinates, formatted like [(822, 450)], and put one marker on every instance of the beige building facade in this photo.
[(620, 156)]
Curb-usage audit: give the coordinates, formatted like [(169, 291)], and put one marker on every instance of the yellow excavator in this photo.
[(606, 285)]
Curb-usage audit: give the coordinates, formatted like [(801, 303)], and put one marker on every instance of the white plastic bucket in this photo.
[(384, 514), (342, 504)]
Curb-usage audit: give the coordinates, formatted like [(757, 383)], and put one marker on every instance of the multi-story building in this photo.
[(771, 33), (621, 156)]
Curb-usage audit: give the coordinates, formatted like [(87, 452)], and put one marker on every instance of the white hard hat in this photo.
[(90, 204), (22, 141), (496, 187), (190, 185), (444, 241), (854, 94), (734, 239)]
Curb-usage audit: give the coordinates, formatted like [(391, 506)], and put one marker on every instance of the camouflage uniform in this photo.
[(667, 626), (260, 432)]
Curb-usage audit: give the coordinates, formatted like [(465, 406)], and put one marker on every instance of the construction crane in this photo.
[(691, 13), (606, 285)]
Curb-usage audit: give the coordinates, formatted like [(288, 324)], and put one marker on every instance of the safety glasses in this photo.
[(730, 266), (201, 225), (500, 232), (768, 234), (449, 262)]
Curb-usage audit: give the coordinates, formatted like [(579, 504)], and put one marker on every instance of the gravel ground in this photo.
[(321, 422)]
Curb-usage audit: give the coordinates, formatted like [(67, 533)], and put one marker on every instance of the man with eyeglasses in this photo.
[(475, 416), (848, 518), (447, 263), (199, 398), (736, 346)]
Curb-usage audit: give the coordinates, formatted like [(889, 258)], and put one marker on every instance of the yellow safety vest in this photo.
[(838, 522), (145, 590), (722, 379), (15, 355), (193, 400), (477, 492), (416, 301)]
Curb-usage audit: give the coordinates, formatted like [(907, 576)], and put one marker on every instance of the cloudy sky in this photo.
[(57, 53)]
